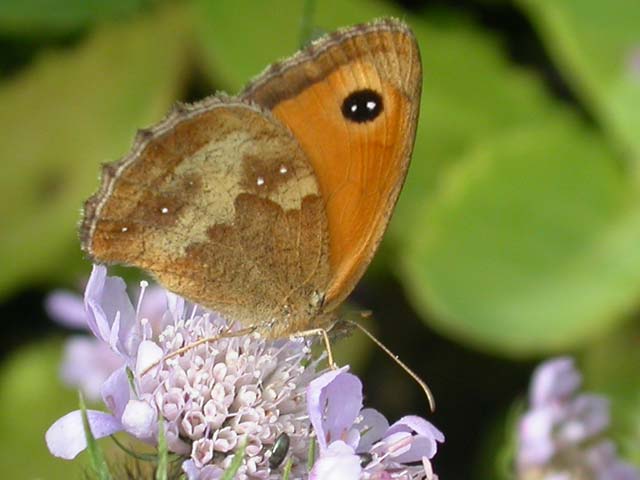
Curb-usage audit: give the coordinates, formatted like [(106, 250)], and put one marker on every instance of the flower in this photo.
[(561, 436), (357, 443), (220, 391), (213, 398), (88, 361)]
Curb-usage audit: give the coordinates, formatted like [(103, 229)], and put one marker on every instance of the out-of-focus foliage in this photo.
[(518, 227), (517, 232), (597, 47), (611, 367), (38, 18), (32, 395), (65, 114)]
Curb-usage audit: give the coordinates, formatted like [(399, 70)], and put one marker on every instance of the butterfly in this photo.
[(268, 206)]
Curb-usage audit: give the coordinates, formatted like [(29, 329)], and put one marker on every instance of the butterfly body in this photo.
[(267, 207)]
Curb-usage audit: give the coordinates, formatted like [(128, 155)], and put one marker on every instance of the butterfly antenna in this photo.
[(394, 357)]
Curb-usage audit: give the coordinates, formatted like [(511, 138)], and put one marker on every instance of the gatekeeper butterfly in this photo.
[(268, 206)]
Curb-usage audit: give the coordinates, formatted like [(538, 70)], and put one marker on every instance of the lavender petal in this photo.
[(333, 401), (67, 309), (66, 437), (339, 462)]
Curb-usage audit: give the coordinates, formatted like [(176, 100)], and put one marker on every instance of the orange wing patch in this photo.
[(360, 165)]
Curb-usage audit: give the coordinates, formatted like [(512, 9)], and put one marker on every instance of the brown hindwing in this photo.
[(219, 203)]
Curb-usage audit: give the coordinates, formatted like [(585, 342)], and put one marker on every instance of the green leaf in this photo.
[(470, 92), (236, 462), (286, 471), (531, 244), (610, 367), (58, 17), (264, 42), (311, 453), (163, 452), (32, 398), (594, 44), (61, 118), (98, 462)]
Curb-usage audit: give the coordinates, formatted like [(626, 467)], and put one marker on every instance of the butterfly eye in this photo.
[(362, 106), (279, 450)]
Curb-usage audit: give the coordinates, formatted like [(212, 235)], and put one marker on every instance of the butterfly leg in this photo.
[(325, 339)]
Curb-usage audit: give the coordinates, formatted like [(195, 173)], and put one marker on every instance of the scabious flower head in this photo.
[(213, 397), (236, 393), (561, 436)]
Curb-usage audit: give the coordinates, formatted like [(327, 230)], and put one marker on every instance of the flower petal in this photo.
[(210, 472), (413, 423), (586, 417), (423, 443), (93, 293), (116, 391), (66, 437), (149, 353), (175, 304), (338, 462), (140, 419), (334, 400), (106, 300), (372, 425), (153, 307), (87, 364), (67, 309), (555, 379)]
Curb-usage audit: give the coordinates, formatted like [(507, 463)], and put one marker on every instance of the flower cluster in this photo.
[(359, 443), (216, 398), (561, 436)]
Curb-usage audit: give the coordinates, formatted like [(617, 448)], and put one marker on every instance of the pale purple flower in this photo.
[(356, 443), (88, 361), (561, 436), (230, 393), (212, 397)]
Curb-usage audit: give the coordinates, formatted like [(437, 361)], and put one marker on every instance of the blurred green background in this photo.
[(517, 235)]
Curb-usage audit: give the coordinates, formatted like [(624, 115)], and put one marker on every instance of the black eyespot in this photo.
[(279, 450), (362, 106)]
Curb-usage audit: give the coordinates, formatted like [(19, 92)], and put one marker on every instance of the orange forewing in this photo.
[(360, 166)]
